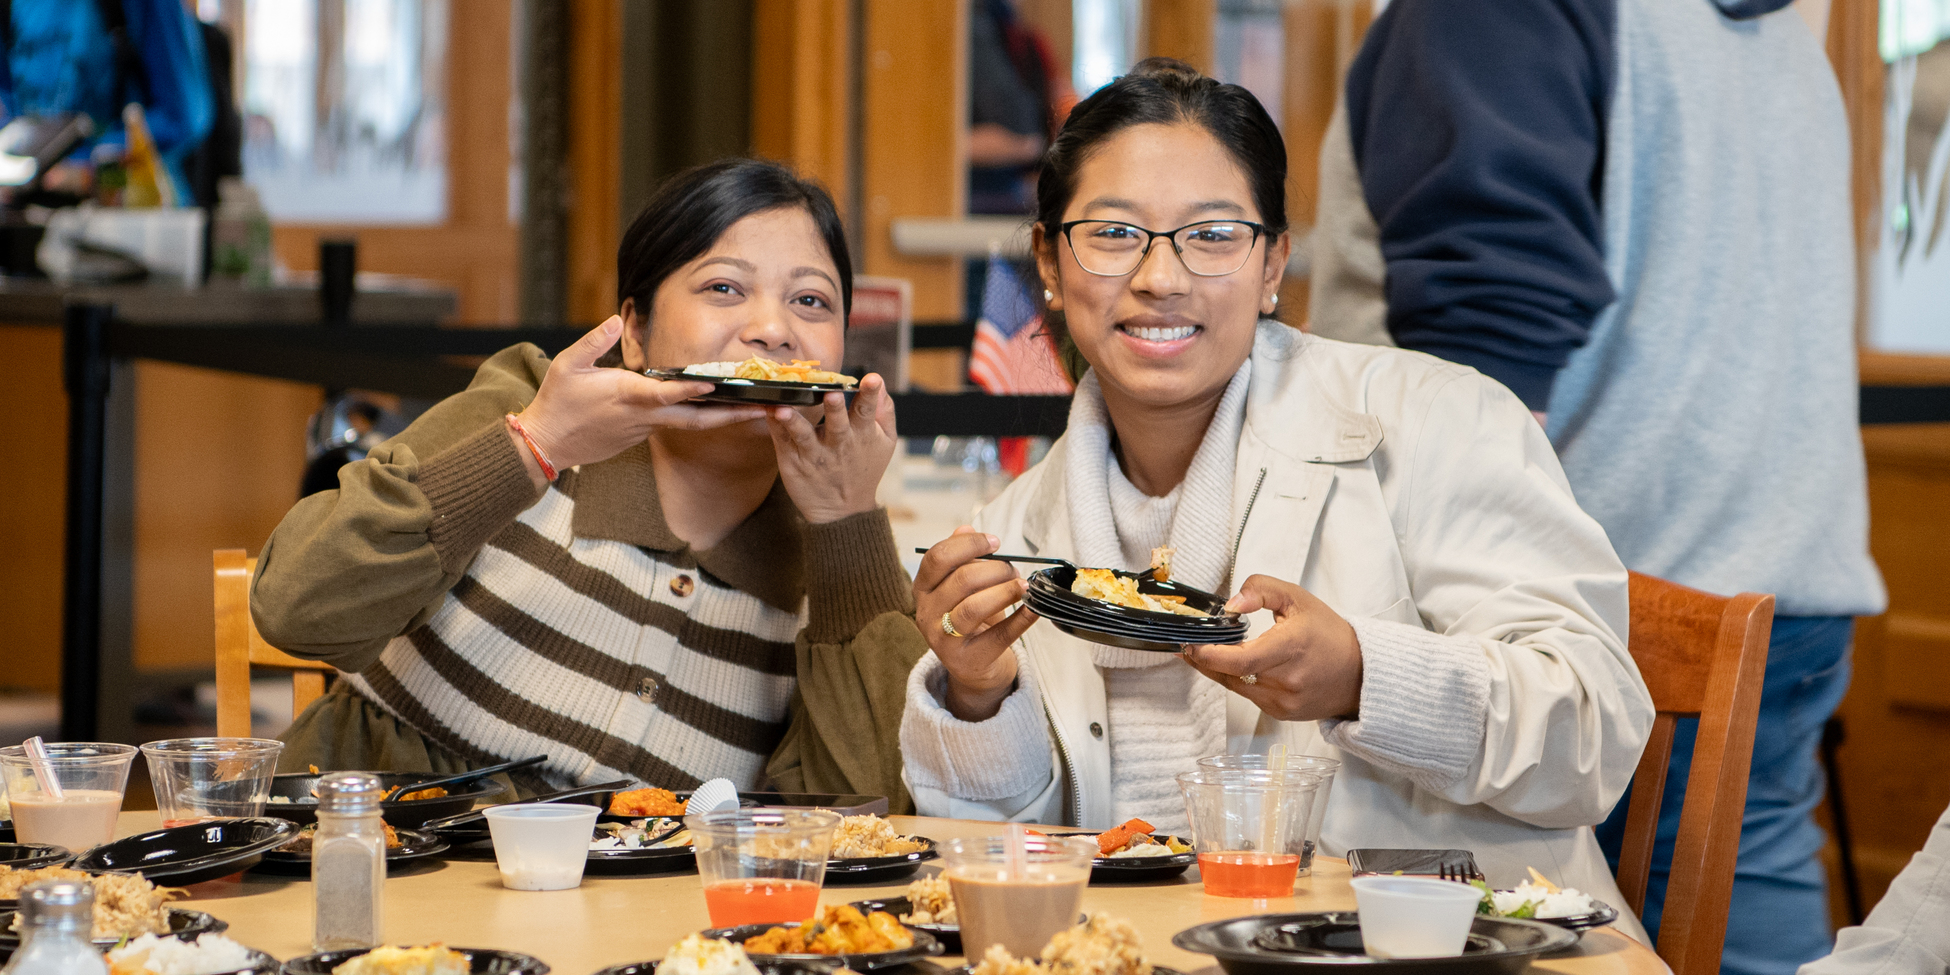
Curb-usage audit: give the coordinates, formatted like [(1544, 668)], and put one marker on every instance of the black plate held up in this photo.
[(1108, 870), (480, 961), (925, 946), (32, 856), (879, 870), (764, 392), (181, 855), (1058, 579), (1283, 944)]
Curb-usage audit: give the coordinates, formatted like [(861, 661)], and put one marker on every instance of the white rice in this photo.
[(1567, 902), (209, 954), (723, 370)]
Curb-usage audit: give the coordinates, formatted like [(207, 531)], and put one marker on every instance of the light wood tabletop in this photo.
[(616, 920)]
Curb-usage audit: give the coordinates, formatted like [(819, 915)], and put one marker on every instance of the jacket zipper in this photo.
[(1070, 766), (1232, 562)]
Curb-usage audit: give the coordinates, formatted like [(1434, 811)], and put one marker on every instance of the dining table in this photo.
[(615, 920)]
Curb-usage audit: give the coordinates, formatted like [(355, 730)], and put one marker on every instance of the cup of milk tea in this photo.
[(89, 777)]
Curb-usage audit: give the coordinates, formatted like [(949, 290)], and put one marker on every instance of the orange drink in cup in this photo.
[(762, 866), (1249, 828)]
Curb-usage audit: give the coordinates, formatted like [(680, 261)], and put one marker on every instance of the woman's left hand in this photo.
[(1307, 667), (832, 470)]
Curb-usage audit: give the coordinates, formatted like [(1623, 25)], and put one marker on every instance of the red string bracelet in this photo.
[(548, 469)]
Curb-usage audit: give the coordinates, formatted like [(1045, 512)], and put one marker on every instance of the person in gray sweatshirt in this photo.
[(1635, 214)]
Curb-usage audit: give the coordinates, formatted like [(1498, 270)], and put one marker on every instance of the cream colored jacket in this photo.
[(1500, 711)]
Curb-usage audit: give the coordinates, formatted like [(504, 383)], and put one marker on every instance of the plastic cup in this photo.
[(1249, 828), (1021, 904), (762, 866), (92, 776), (1414, 917), (1322, 768), (197, 779), (541, 845)]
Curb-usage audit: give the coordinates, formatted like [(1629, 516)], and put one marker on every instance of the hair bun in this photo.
[(1169, 71)]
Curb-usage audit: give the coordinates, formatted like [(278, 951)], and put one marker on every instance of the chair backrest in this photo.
[(1701, 655), (239, 646)]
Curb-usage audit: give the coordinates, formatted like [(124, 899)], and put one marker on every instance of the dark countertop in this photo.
[(27, 301)]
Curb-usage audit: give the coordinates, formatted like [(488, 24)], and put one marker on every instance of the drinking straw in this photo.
[(36, 750), (1018, 852), (1275, 763)]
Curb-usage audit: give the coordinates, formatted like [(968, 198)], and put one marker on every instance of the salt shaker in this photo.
[(57, 918), (348, 863)]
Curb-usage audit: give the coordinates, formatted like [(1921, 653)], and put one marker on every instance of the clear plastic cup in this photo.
[(92, 776), (1249, 827), (1021, 904), (541, 845), (1322, 768), (1414, 917), (762, 866), (196, 779)]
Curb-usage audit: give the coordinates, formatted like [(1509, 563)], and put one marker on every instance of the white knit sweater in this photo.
[(1164, 715)]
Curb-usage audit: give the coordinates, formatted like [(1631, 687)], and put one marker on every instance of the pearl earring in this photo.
[(1276, 301), (1049, 295)]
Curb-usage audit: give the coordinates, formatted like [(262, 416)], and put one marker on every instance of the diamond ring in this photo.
[(948, 624), (1249, 679)]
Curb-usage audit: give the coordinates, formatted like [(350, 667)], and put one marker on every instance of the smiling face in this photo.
[(1162, 336), (767, 287)]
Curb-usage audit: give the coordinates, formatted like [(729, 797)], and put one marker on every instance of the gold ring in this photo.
[(948, 623), (1249, 679)]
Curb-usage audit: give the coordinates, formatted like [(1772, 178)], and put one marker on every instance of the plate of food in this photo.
[(191, 854), (841, 933), (762, 381), (699, 955), (433, 959), (1134, 851), (1099, 944), (117, 918), (402, 846), (29, 856), (1138, 610), (655, 844), (209, 952), (866, 850), (1538, 899), (292, 798), (1277, 944)]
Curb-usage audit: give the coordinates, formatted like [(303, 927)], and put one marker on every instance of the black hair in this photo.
[(695, 207), (1167, 91)]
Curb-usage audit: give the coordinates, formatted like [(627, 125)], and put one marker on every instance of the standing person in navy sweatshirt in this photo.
[(1635, 214)]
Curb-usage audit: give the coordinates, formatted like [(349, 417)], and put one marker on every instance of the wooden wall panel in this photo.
[(1182, 29), (1852, 31), (33, 506), (1321, 38), (802, 88), (914, 129), (595, 156)]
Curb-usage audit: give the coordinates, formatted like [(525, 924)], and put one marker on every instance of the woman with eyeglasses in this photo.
[(1427, 603)]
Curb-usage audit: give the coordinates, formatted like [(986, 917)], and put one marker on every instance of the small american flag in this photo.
[(1012, 353)]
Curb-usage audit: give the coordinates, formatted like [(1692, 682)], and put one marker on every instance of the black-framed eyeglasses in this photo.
[(1209, 248)]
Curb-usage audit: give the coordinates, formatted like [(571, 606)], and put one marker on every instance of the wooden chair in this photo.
[(239, 646), (1702, 655)]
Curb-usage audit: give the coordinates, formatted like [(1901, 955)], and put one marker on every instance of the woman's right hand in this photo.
[(585, 413), (973, 595)]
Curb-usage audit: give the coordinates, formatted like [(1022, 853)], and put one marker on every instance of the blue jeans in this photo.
[(1779, 916)]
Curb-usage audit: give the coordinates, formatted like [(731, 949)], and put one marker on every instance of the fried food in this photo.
[(839, 929), (1101, 945), (932, 902), (1161, 562), (125, 905), (756, 367), (301, 843), (437, 792), (871, 836), (1123, 591), (1131, 839), (433, 959), (645, 802)]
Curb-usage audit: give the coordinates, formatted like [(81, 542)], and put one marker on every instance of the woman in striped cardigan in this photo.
[(571, 559)]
